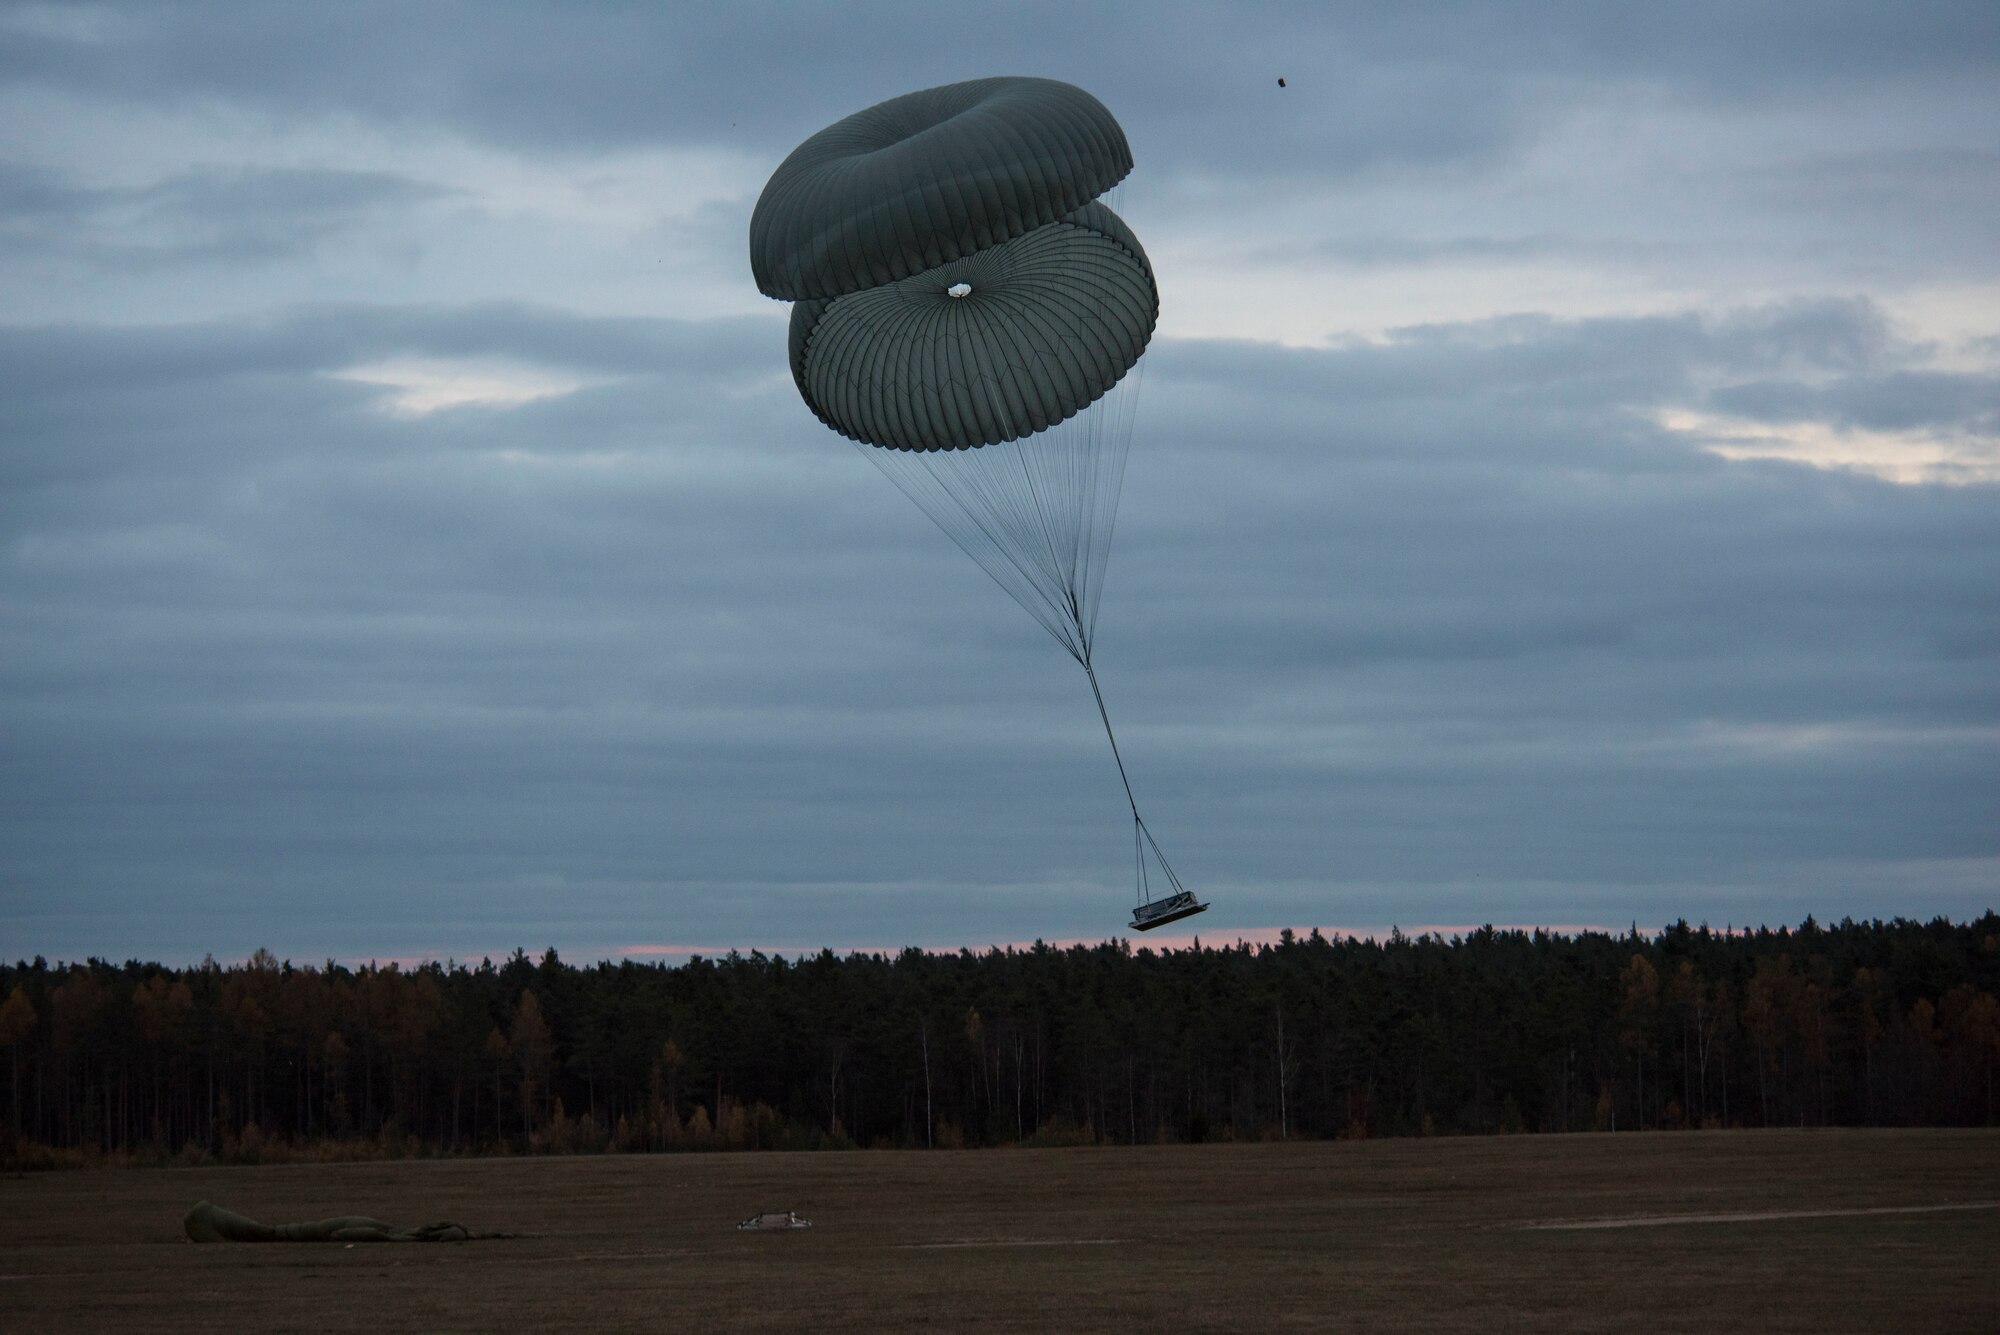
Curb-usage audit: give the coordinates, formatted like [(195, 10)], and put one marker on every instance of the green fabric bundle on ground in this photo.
[(211, 1223)]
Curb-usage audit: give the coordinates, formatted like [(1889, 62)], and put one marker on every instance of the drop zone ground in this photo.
[(1712, 1231)]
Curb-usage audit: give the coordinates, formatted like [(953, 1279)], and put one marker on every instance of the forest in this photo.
[(1860, 1023)]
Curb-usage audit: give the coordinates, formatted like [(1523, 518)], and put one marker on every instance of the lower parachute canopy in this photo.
[(998, 345)]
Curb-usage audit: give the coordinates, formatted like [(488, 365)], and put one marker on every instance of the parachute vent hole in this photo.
[(959, 290)]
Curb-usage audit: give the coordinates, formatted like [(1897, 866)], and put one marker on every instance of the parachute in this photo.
[(972, 316)]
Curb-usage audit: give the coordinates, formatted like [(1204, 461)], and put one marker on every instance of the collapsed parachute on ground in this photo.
[(970, 314), (207, 1222)]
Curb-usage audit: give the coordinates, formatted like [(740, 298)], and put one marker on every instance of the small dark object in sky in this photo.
[(1281, 81)]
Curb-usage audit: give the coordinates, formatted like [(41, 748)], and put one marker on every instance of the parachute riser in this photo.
[(1142, 838), (1098, 695)]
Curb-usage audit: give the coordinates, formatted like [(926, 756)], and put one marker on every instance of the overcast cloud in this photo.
[(1566, 487)]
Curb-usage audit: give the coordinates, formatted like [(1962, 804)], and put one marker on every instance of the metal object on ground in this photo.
[(772, 1220)]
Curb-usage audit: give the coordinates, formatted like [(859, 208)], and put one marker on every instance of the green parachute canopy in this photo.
[(207, 1222), (971, 315), (922, 179), (1042, 327)]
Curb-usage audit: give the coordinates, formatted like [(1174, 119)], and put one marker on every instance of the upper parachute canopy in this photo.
[(927, 178)]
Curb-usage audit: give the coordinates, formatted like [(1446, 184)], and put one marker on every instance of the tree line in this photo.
[(1861, 1023)]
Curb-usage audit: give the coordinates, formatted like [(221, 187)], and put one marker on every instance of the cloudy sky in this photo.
[(1566, 487)]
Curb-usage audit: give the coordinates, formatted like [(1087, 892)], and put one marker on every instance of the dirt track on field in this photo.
[(1889, 1231), (1749, 1217)]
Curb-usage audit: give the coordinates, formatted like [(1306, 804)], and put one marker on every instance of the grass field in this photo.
[(1715, 1231)]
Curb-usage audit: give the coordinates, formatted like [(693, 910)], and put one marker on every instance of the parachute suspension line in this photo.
[(1037, 514), (1063, 571), (1107, 478)]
